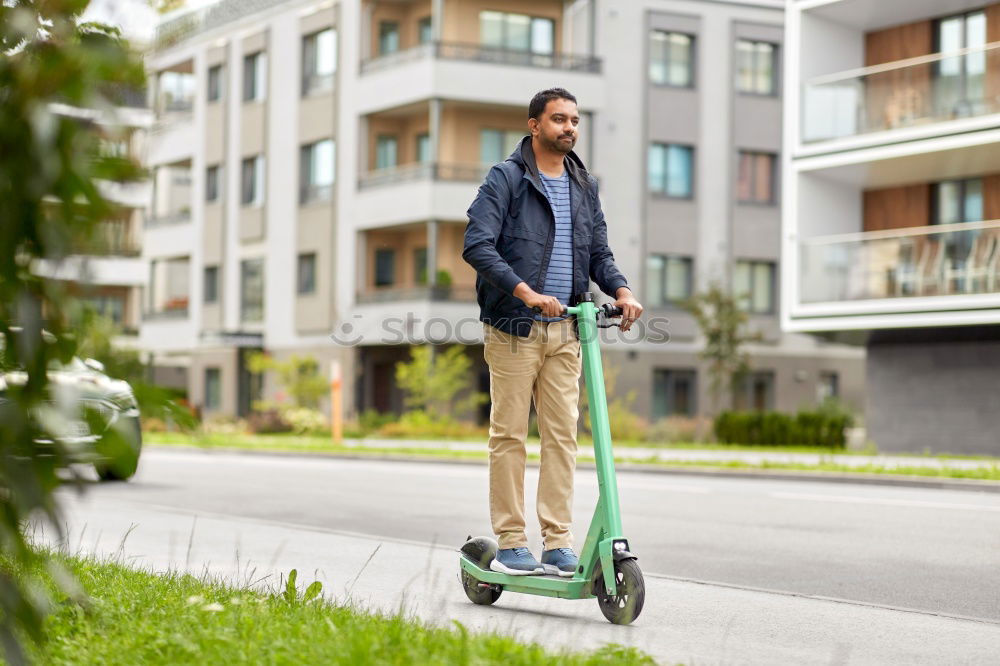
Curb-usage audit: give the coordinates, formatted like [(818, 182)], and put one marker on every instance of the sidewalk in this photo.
[(663, 455)]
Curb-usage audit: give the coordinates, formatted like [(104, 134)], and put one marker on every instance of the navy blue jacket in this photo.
[(511, 230)]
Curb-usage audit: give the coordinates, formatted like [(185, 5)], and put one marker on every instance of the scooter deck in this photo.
[(542, 585)]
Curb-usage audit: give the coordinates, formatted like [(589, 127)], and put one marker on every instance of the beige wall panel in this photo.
[(225, 360), (313, 312), (215, 56), (316, 118), (255, 43), (451, 241), (212, 234), (211, 317), (317, 21), (252, 129), (215, 133), (251, 224)]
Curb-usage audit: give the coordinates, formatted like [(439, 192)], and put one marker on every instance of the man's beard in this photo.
[(559, 145)]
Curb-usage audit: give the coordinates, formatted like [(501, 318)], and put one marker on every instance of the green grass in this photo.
[(989, 471), (138, 617)]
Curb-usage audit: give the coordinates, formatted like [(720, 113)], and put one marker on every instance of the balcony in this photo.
[(911, 93), (406, 173), (449, 293), (480, 53), (946, 260)]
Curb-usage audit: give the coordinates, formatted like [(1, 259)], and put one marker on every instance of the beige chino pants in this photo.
[(544, 367)]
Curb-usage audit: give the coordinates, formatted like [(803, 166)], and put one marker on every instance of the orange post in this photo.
[(336, 406)]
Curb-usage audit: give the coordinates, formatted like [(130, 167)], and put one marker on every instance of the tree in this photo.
[(433, 380), (723, 325), (299, 376), (52, 68)]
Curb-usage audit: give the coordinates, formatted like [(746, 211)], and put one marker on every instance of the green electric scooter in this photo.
[(608, 569)]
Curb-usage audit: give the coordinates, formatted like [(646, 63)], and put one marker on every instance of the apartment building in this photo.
[(314, 162), (892, 193)]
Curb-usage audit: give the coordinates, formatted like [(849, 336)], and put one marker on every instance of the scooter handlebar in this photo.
[(609, 310)]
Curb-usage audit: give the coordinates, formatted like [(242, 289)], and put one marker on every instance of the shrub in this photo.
[(268, 421), (678, 429), (305, 421), (821, 427), (371, 420), (418, 423), (225, 425)]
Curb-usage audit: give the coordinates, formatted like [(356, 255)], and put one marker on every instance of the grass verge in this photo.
[(131, 616), (989, 471)]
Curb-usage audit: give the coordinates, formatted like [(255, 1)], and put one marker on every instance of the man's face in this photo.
[(556, 129)]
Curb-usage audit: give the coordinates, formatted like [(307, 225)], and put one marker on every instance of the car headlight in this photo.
[(123, 401)]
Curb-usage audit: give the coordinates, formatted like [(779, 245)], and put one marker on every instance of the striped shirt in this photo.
[(559, 272)]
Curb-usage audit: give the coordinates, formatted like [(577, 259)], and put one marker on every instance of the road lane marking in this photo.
[(846, 499)]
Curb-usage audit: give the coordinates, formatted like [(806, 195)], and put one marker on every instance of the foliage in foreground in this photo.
[(137, 617)]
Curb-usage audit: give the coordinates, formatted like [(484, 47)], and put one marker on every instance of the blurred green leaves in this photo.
[(57, 84)]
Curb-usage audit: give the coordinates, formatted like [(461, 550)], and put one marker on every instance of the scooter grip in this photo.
[(611, 310)]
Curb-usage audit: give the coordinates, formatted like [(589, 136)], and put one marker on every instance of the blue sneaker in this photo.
[(516, 562), (560, 561)]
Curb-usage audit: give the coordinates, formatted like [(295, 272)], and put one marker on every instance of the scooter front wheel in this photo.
[(626, 603), (479, 592)]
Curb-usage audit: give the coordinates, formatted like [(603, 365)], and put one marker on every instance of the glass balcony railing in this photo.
[(947, 259), (906, 93), (488, 54), (424, 171)]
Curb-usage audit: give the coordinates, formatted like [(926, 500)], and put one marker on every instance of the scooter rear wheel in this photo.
[(625, 605), (479, 592)]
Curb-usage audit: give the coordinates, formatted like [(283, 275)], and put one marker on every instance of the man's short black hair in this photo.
[(541, 100)]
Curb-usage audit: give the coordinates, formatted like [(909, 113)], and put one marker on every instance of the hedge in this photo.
[(807, 428)]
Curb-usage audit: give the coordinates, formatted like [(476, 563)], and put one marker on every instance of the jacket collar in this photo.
[(525, 157)]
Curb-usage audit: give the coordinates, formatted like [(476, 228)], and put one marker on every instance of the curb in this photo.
[(939, 483)]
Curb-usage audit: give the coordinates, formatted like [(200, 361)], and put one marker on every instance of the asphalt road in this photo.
[(908, 556)]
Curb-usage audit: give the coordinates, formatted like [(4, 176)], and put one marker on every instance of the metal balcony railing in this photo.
[(424, 171), (916, 91), (939, 260), (167, 219), (437, 293), (485, 54)]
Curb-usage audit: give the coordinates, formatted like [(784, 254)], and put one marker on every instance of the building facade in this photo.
[(890, 232), (314, 161)]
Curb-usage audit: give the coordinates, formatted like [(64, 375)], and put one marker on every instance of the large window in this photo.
[(254, 77), (753, 285), (388, 37), (210, 288), (175, 91), (755, 177), (671, 58), (252, 181), (827, 386), (317, 171), (671, 170), (252, 290), (517, 32), (960, 80), (214, 83), (386, 151), (319, 61), (668, 279), (756, 67), (213, 389), (425, 30), (385, 267), (424, 148), (755, 391), (674, 393), (169, 285), (306, 273), (957, 201), (496, 144)]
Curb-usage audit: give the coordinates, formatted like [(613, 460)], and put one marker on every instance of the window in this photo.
[(213, 389), (306, 282), (828, 387), (668, 279), (169, 285), (108, 306), (517, 32), (388, 37), (960, 80), (671, 59), (425, 30), (674, 393), (175, 91), (254, 77), (317, 171), (755, 391), (670, 170), (756, 67), (319, 61), (755, 178), (252, 184), (420, 265), (212, 183), (385, 151), (252, 290), (495, 145), (424, 148), (754, 286), (957, 201), (214, 83), (385, 264), (211, 286)]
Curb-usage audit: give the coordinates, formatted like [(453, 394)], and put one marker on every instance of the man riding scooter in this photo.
[(536, 237)]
